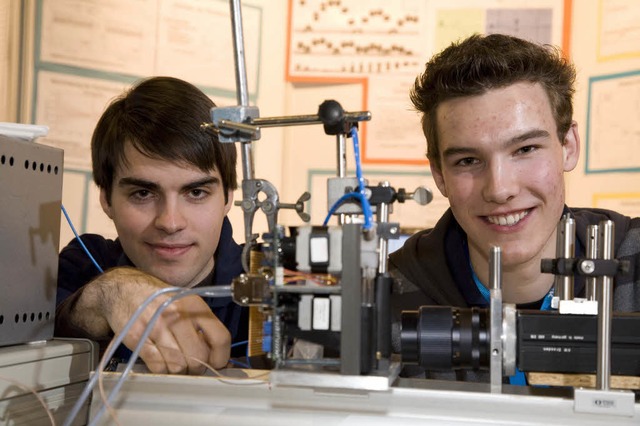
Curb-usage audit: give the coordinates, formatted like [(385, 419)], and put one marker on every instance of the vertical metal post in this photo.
[(242, 92), (495, 319), (341, 149), (351, 333), (593, 252), (383, 290), (602, 400), (565, 249), (341, 172), (605, 304), (382, 216)]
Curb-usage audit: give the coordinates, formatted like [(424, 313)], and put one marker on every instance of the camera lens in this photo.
[(445, 337)]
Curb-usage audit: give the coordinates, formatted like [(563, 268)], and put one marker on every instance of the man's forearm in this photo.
[(80, 315)]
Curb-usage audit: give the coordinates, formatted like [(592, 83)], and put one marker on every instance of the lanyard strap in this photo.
[(546, 303)]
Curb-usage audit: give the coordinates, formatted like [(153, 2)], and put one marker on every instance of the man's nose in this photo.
[(501, 182), (169, 217)]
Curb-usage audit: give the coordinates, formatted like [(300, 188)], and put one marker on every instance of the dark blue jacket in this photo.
[(75, 269)]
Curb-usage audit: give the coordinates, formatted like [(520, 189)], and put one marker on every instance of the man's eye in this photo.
[(141, 194), (198, 193), (526, 149), (466, 161)]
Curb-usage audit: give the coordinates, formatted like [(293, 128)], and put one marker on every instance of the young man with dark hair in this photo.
[(167, 184), (498, 118)]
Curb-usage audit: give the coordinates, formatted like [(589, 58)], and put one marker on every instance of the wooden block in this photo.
[(581, 380)]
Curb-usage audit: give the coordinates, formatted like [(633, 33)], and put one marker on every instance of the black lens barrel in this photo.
[(445, 337)]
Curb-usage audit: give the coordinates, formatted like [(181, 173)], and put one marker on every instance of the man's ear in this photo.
[(227, 206), (438, 178), (571, 148), (106, 207)]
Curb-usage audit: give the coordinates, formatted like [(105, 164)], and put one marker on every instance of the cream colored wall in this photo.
[(582, 187), (307, 148), (78, 189), (284, 156)]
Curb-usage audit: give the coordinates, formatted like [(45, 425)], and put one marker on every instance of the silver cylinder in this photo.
[(382, 215), (341, 145), (593, 251), (242, 91), (495, 319), (565, 249), (605, 305)]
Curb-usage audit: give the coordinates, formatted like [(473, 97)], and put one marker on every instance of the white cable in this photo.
[(117, 340), (39, 397), (209, 291)]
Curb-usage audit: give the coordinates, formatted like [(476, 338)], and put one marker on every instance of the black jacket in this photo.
[(75, 269), (432, 267)]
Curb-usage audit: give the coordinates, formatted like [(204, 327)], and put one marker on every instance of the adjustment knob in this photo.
[(421, 195)]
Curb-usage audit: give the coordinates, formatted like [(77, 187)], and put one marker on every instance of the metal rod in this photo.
[(605, 302), (565, 249), (495, 273), (341, 161), (247, 129), (297, 120), (242, 92), (351, 333), (593, 252), (382, 215), (495, 319)]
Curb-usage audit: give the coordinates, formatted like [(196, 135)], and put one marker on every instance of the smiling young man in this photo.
[(167, 184), (497, 116)]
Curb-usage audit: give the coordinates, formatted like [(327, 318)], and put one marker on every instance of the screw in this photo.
[(587, 266)]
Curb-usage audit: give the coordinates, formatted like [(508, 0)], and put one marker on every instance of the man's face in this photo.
[(168, 216), (502, 170)]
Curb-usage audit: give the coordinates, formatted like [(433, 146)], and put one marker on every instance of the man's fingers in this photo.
[(170, 351), (210, 332), (160, 352), (153, 359), (192, 346), (185, 337), (218, 339)]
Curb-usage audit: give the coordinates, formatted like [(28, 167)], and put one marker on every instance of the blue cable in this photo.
[(239, 364), (356, 153), (248, 364), (366, 206), (86, 250), (361, 194), (359, 197)]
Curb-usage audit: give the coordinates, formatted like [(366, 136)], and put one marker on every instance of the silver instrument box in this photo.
[(31, 196)]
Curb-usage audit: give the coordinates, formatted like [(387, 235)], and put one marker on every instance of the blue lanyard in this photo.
[(546, 303)]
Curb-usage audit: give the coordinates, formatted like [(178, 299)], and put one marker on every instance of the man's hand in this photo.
[(184, 337)]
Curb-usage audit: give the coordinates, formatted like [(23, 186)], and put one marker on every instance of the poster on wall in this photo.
[(388, 43), (613, 111), (87, 52), (627, 203), (618, 30)]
